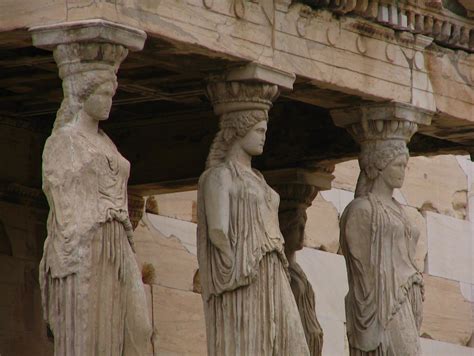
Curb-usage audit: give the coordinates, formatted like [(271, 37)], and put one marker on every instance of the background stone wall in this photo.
[(435, 194)]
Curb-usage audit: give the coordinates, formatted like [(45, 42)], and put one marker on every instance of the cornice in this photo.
[(444, 27)]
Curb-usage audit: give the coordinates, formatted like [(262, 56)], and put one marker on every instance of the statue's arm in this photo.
[(216, 200), (70, 184), (357, 230)]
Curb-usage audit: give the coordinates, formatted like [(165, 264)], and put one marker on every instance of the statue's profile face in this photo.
[(99, 103), (394, 173), (254, 140)]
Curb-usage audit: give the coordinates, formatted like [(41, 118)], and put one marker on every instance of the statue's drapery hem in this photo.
[(99, 303)]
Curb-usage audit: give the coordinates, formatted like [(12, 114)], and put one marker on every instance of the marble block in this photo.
[(450, 248), (432, 181), (322, 226), (178, 318), (438, 348), (180, 205), (185, 231), (447, 314), (335, 340), (327, 274), (338, 197), (174, 265)]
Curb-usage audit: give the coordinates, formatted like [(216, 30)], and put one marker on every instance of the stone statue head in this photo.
[(246, 128), (89, 80), (243, 111), (384, 160)]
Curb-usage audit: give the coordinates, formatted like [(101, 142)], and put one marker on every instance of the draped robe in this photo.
[(249, 306), (92, 295), (384, 302)]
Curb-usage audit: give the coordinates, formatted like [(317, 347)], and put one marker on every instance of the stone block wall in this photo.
[(435, 195)]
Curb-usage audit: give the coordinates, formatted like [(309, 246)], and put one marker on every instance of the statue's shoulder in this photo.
[(360, 206), (65, 150), (216, 176), (63, 137)]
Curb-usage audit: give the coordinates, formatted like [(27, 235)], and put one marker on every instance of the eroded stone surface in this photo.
[(88, 254), (240, 245), (330, 287), (174, 265), (178, 205), (184, 231), (384, 302), (438, 348), (178, 318), (295, 198), (450, 248), (322, 227), (447, 315), (434, 181)]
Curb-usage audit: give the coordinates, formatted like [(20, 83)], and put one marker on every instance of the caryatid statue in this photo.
[(93, 298), (296, 195), (248, 303), (378, 241)]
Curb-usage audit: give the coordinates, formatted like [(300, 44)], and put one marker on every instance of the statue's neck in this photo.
[(87, 124), (382, 190), (238, 155)]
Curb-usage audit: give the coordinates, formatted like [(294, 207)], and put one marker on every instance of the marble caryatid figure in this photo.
[(249, 306), (93, 298), (384, 302), (295, 199)]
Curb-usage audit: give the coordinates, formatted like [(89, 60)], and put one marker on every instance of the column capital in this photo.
[(256, 72), (298, 187), (87, 31), (250, 87), (381, 121)]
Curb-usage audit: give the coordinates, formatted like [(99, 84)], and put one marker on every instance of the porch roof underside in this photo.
[(163, 123)]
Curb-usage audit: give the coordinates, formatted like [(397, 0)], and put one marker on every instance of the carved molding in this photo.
[(443, 27), (96, 30)]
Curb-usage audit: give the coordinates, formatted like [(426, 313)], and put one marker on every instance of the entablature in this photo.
[(450, 26)]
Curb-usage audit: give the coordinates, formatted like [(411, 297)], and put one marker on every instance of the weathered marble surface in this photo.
[(447, 313), (240, 246), (93, 299), (450, 248), (384, 303), (295, 198)]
